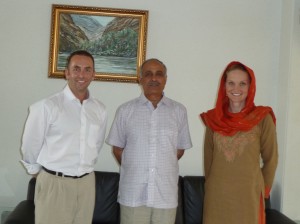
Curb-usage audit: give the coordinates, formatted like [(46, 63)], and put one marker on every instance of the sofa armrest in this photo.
[(275, 217), (23, 213)]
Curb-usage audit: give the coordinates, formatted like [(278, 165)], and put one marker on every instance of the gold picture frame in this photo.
[(115, 37)]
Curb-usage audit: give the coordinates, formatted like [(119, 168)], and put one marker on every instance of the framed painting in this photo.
[(115, 37)]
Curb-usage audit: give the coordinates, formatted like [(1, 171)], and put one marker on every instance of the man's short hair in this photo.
[(80, 52)]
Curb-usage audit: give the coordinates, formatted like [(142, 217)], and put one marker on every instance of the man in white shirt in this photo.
[(149, 135), (61, 142)]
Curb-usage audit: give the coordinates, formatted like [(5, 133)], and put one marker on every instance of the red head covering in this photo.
[(226, 123)]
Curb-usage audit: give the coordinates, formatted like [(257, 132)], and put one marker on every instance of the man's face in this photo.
[(153, 79), (79, 74)]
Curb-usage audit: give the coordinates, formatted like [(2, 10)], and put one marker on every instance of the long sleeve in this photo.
[(33, 138), (269, 150)]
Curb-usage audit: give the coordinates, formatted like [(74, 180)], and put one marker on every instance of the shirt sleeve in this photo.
[(184, 141), (116, 136), (33, 137), (269, 150)]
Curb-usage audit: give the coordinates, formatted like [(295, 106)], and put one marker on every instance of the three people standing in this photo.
[(64, 133)]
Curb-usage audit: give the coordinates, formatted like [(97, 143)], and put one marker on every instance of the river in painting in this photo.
[(103, 64)]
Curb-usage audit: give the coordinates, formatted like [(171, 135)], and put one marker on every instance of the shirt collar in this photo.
[(69, 94), (164, 100)]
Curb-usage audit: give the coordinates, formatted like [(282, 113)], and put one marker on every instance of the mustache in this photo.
[(153, 83)]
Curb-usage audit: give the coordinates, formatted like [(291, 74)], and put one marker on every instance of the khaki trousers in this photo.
[(147, 215), (64, 200)]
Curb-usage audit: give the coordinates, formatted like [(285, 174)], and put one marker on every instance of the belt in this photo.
[(60, 174)]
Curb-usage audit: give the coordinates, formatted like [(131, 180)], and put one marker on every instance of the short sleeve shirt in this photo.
[(150, 138)]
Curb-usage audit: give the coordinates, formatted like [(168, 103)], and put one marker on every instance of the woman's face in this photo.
[(237, 85)]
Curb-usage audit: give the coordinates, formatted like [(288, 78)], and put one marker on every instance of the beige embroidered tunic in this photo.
[(237, 169)]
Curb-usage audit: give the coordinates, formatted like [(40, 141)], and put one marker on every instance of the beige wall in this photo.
[(195, 39)]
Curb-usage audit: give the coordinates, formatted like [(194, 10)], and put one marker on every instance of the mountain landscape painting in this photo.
[(114, 45), (114, 40)]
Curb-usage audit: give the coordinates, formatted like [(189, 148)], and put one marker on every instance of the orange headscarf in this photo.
[(226, 123)]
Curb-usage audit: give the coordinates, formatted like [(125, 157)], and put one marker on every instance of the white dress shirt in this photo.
[(150, 138), (64, 135)]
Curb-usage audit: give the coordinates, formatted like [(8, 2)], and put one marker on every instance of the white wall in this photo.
[(289, 98), (196, 39)]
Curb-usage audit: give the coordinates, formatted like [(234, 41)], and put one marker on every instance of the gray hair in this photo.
[(152, 59)]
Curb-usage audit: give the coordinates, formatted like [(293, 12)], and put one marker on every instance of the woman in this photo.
[(240, 151)]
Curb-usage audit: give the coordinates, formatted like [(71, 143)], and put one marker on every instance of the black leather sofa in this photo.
[(189, 211)]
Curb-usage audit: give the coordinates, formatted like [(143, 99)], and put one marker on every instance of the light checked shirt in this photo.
[(150, 138), (64, 135)]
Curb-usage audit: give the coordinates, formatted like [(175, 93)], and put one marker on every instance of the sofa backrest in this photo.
[(31, 189), (107, 209), (180, 210), (106, 205), (193, 195)]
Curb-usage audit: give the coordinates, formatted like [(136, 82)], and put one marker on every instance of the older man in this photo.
[(149, 136)]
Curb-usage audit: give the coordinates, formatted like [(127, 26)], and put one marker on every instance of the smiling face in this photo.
[(237, 86), (79, 74)]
